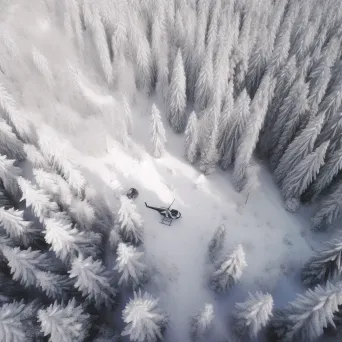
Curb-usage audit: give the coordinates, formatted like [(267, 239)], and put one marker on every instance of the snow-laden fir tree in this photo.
[(10, 145), (177, 95), (25, 263), (5, 201), (130, 265), (192, 139), (229, 271), (204, 84), (216, 243), (330, 169), (67, 241), (18, 229), (64, 323), (329, 207), (305, 319), (300, 177), (35, 157), (40, 203), (8, 176), (17, 322), (299, 148), (42, 65), (128, 114), (54, 186), (250, 137), (325, 265), (82, 212), (131, 223), (252, 315), (158, 133), (145, 321), (55, 286), (93, 281), (114, 237), (235, 129), (202, 323)]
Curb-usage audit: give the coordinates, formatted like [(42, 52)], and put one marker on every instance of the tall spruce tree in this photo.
[(158, 133), (192, 139), (202, 323)]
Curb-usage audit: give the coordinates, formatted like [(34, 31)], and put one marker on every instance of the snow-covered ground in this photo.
[(276, 242)]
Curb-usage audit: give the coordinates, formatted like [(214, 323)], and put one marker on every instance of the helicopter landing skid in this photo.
[(166, 220)]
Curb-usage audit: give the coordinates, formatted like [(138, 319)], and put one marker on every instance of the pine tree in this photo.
[(192, 139), (325, 265), (42, 65), (41, 205), (216, 243), (177, 95), (143, 61), (331, 168), (250, 137), (158, 133), (229, 271), (35, 157), (204, 84), (128, 114), (67, 241), (300, 147), (300, 177), (329, 208), (131, 223), (101, 44), (82, 212), (236, 129), (252, 315), (114, 238), (24, 264), (93, 281), (16, 227), (130, 265), (290, 116), (202, 323), (10, 145), (305, 318), (8, 176), (17, 322), (67, 323), (145, 320)]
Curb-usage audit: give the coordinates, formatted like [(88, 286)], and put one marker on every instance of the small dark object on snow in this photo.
[(132, 193), (168, 214)]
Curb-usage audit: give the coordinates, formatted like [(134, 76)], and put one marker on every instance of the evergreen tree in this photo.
[(10, 145), (40, 203), (82, 212), (236, 128), (300, 147), (331, 168), (66, 241), (24, 264), (325, 265), (158, 133), (177, 95), (329, 208), (192, 139), (17, 322), (5, 200), (143, 61), (305, 318), (204, 84), (101, 44), (35, 157), (290, 116), (8, 176), (114, 238), (252, 315), (130, 265), (216, 243), (131, 223), (250, 137), (64, 323), (145, 321), (16, 227), (202, 323), (93, 281), (128, 115), (229, 271), (300, 177), (42, 65)]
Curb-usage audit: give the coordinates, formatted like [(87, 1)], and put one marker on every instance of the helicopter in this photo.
[(169, 214)]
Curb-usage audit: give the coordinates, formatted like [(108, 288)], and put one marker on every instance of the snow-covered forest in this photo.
[(232, 108)]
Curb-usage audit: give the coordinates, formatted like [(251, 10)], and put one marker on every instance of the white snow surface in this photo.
[(276, 243)]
